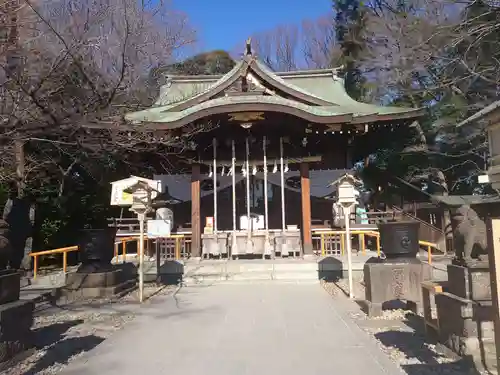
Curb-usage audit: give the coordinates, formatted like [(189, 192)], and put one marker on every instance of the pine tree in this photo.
[(350, 17)]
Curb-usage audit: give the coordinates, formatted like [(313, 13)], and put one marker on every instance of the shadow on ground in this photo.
[(408, 337), (417, 348), (386, 306), (59, 349)]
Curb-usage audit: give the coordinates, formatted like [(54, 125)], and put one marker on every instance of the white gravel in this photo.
[(62, 333), (400, 334)]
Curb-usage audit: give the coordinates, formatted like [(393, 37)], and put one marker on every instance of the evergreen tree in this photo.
[(214, 62), (350, 17)]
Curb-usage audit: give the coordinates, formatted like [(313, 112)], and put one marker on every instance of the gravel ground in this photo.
[(400, 334), (64, 332)]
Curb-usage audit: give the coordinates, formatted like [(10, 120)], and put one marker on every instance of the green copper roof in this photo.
[(161, 114), (182, 88), (316, 95), (286, 83), (328, 86)]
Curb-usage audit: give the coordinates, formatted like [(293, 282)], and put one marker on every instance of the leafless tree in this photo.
[(309, 45), (68, 63), (278, 48), (402, 46), (319, 45)]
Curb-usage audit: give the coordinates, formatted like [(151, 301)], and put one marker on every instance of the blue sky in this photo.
[(224, 24)]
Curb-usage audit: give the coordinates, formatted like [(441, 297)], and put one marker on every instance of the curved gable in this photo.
[(250, 66), (291, 90), (219, 86)]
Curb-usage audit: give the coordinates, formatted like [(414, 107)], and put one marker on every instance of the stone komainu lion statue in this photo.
[(469, 233)]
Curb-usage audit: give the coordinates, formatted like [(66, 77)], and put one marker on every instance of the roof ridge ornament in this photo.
[(248, 48)]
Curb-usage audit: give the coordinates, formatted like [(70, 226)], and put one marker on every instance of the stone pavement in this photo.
[(255, 329)]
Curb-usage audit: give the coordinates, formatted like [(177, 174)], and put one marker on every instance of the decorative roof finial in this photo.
[(248, 51)]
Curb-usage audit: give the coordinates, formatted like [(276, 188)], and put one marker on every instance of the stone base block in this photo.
[(466, 328), (10, 283), (100, 292), (101, 284), (16, 319), (471, 281), (394, 280)]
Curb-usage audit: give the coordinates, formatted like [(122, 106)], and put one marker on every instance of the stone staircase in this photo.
[(208, 272), (45, 286), (196, 271), (286, 270)]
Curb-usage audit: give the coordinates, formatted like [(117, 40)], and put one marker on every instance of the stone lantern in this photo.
[(346, 191), (142, 194)]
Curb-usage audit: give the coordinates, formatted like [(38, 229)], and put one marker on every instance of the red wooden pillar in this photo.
[(195, 212), (305, 188)]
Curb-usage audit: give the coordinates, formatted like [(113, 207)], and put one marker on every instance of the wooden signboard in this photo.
[(120, 198)]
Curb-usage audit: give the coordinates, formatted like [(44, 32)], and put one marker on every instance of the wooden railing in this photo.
[(372, 217), (181, 249), (63, 250), (124, 241), (429, 291), (333, 242), (126, 225)]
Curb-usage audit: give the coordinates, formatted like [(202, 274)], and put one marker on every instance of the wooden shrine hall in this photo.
[(253, 139)]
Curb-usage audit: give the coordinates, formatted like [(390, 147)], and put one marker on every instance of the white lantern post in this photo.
[(347, 198), (141, 205), (233, 178)]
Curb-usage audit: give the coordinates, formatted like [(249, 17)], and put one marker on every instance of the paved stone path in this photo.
[(255, 329)]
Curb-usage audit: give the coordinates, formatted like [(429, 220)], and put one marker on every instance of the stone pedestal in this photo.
[(10, 285), (465, 314), (121, 278), (470, 281), (97, 277), (394, 280), (16, 317)]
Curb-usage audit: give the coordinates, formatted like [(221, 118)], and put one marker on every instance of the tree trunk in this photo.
[(20, 214), (20, 164)]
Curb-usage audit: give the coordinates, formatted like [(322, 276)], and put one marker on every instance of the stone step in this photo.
[(241, 272), (37, 294), (56, 279), (312, 268), (250, 278), (117, 290), (190, 282), (255, 275)]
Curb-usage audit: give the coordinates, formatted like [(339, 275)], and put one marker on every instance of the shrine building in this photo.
[(261, 148)]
